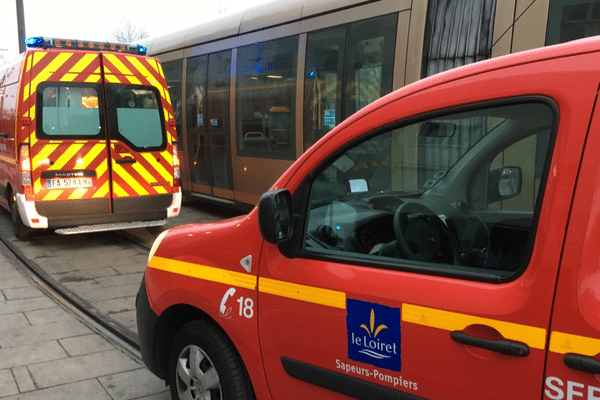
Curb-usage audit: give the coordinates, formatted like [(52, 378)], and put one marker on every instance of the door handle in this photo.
[(582, 363), (502, 346), (126, 161)]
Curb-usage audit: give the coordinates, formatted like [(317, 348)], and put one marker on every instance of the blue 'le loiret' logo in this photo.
[(373, 334)]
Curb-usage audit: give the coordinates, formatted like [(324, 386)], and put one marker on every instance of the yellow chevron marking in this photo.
[(133, 80), (52, 195), (102, 191), (114, 60), (112, 79), (78, 193), (26, 92), (148, 177), (118, 190), (204, 272), (144, 71), (59, 60), (121, 172), (533, 336), (68, 77), (82, 64), (66, 156), (92, 154), (94, 78), (158, 166), (42, 155)]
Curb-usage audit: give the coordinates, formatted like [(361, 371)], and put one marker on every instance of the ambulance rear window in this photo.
[(69, 110), (135, 116)]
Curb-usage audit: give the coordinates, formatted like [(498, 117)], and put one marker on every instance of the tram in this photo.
[(252, 91)]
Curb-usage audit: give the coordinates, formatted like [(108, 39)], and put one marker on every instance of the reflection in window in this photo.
[(70, 111), (572, 19), (265, 92), (134, 114), (384, 200), (342, 78)]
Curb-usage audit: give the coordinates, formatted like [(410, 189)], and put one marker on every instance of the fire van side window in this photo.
[(454, 194), (69, 111)]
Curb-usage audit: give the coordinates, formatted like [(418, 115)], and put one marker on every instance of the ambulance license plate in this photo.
[(67, 183)]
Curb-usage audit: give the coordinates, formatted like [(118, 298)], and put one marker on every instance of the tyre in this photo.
[(203, 365), (21, 231)]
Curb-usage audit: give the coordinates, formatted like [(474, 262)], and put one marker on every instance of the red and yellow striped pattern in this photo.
[(152, 171)]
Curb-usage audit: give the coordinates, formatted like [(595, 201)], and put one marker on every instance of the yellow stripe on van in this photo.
[(83, 63), (130, 180), (451, 321), (309, 294), (114, 60), (67, 156), (563, 343), (102, 192), (118, 190), (204, 272), (158, 166)]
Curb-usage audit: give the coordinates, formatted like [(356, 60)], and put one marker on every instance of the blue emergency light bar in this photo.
[(50, 43)]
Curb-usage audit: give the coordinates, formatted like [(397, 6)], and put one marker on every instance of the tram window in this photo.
[(570, 20), (370, 67), (365, 51), (323, 82), (68, 110), (265, 92)]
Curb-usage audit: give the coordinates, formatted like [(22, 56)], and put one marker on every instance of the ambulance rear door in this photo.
[(67, 139), (141, 143)]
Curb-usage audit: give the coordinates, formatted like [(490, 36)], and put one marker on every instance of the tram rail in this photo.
[(89, 315)]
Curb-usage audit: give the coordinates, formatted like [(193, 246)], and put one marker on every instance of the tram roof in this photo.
[(266, 15)]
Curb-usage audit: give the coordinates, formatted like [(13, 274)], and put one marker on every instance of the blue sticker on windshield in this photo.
[(373, 334)]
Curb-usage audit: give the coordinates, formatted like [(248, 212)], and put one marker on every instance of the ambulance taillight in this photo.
[(25, 163)]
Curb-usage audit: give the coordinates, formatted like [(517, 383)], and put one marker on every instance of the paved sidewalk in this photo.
[(47, 353)]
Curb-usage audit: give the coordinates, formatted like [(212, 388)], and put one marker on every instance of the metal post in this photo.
[(21, 25)]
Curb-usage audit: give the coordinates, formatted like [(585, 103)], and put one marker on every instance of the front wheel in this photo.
[(203, 365)]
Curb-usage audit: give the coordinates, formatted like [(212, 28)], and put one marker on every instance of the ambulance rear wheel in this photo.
[(21, 231), (204, 365)]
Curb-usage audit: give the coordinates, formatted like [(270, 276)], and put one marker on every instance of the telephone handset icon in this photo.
[(224, 311)]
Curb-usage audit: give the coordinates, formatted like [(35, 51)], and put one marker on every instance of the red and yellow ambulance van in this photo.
[(441, 243), (87, 138)]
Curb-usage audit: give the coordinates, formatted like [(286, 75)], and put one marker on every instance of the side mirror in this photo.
[(504, 183), (275, 216)]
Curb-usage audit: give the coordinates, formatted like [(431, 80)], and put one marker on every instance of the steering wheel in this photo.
[(421, 237)]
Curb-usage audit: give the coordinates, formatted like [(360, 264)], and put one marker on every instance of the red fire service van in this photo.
[(441, 243), (87, 138)]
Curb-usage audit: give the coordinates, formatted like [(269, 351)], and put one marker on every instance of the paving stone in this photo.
[(87, 344), (37, 303), (41, 317), (41, 333), (23, 379), (86, 390), (22, 293), (10, 321), (79, 368), (31, 353), (8, 383), (12, 283), (132, 384)]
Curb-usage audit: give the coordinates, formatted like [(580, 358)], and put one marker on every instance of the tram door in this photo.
[(208, 134)]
